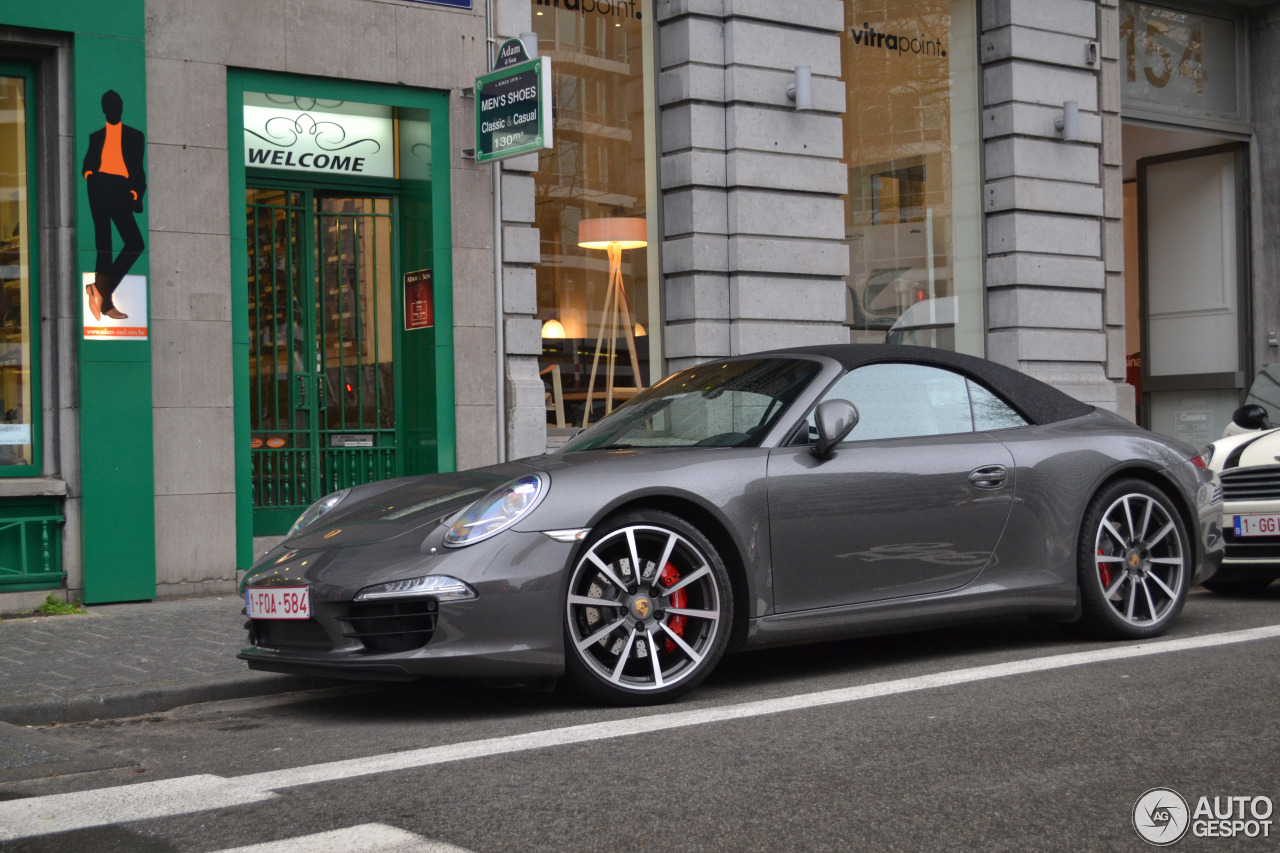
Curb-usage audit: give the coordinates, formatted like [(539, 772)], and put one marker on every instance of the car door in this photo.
[(913, 502)]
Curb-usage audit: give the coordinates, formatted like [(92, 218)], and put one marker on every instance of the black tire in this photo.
[(611, 647), (1252, 586), (1134, 562)]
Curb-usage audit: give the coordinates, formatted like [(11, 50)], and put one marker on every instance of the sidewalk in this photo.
[(120, 660)]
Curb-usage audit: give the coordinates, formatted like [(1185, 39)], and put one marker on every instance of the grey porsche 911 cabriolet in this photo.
[(780, 497)]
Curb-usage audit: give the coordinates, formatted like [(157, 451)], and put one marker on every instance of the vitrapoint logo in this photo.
[(620, 8), (919, 45), (1162, 817)]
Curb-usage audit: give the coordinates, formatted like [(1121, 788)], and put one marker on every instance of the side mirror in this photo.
[(1251, 416), (834, 419)]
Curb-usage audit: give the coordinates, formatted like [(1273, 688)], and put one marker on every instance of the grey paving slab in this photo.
[(117, 644), (125, 659)]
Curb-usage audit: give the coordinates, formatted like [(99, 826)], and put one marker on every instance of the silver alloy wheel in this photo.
[(643, 630), (1140, 559)]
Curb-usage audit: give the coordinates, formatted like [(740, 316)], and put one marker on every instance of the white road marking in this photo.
[(107, 806), (366, 838), (169, 797)]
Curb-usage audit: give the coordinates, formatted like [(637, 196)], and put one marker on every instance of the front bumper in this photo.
[(1211, 565), (1208, 495), (513, 629), (1249, 557), (1250, 489)]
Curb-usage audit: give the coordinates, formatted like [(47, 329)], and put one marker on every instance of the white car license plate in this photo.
[(281, 602), (1258, 525)]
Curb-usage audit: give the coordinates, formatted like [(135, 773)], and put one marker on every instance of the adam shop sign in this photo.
[(513, 105), (318, 136)]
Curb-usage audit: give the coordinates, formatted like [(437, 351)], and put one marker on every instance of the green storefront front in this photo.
[(338, 273)]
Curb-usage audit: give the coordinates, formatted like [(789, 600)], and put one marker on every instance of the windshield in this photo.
[(719, 404)]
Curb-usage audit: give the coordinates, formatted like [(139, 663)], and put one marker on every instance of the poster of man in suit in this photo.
[(116, 181)]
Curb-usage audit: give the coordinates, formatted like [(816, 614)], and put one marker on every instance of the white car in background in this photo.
[(1247, 461)]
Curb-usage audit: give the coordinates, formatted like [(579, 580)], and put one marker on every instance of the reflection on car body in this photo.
[(926, 552)]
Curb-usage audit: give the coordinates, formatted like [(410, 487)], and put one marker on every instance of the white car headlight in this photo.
[(496, 511), (317, 509), (440, 587)]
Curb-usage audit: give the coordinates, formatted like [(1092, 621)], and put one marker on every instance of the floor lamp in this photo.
[(613, 234)]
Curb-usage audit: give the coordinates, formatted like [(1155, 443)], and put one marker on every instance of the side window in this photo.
[(19, 287), (904, 400), (990, 412)]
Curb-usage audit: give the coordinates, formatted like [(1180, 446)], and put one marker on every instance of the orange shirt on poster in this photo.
[(112, 153)]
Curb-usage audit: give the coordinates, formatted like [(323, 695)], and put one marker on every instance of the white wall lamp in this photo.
[(1069, 124), (801, 91), (530, 44)]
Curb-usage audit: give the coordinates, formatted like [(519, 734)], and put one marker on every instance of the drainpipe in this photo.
[(499, 333)]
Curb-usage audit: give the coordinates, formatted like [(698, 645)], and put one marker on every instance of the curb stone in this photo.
[(131, 700)]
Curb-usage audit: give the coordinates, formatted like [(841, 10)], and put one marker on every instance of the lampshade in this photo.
[(640, 330), (629, 232), (552, 329)]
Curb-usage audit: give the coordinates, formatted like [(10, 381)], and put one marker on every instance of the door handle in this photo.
[(989, 476), (300, 398)]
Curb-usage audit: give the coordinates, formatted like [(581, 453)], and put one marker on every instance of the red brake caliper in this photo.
[(669, 578), (1104, 572)]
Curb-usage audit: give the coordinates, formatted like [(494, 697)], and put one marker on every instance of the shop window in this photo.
[(597, 279), (913, 215), (19, 353)]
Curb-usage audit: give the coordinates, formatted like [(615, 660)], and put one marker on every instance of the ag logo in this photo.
[(1161, 816)]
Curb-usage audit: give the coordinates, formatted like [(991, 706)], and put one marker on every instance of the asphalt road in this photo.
[(940, 740)]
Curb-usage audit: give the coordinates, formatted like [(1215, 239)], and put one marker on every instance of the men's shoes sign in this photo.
[(513, 105)]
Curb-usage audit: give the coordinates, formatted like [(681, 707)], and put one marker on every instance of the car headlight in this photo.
[(1206, 456), (496, 511), (439, 587), (317, 509)]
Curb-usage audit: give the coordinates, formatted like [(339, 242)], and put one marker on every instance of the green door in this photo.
[(324, 331)]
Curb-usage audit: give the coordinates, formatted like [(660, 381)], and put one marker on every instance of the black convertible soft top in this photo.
[(1036, 401)]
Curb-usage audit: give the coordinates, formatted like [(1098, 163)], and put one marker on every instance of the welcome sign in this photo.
[(319, 136)]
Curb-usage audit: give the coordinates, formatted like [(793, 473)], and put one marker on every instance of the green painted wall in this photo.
[(426, 237), (117, 472), (117, 18)]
